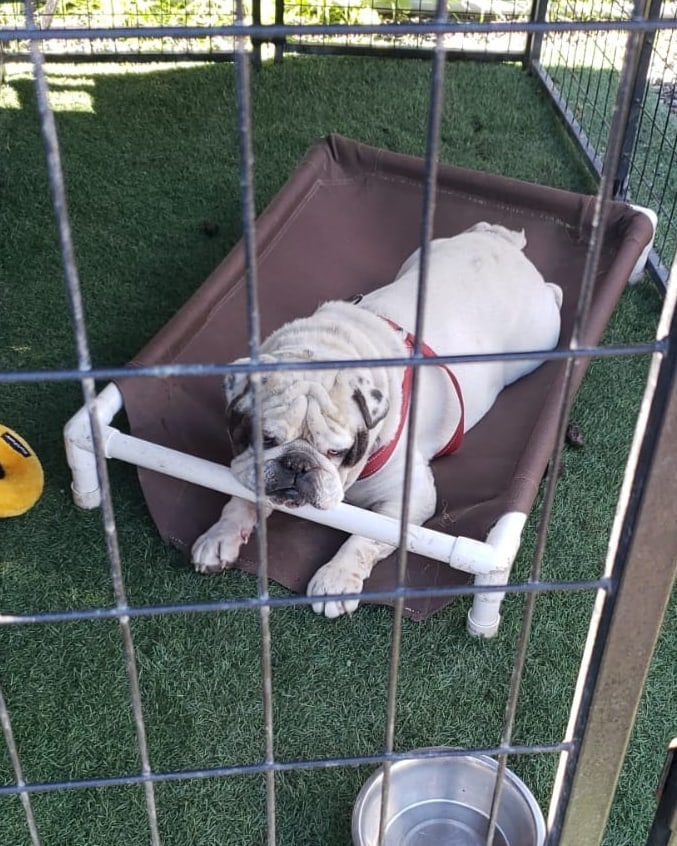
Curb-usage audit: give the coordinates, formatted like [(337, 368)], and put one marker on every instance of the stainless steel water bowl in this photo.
[(446, 800)]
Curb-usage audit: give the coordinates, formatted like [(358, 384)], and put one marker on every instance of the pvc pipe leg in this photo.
[(80, 448), (85, 483), (484, 616)]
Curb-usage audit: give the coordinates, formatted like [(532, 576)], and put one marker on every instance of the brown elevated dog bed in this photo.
[(342, 225)]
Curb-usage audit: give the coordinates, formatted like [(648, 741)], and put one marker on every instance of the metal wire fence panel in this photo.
[(595, 76), (585, 66), (652, 174), (480, 45), (584, 69), (94, 15), (210, 14)]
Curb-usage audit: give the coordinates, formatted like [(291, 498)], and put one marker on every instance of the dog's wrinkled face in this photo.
[(318, 427)]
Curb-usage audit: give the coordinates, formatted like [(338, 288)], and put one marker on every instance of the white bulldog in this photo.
[(341, 433)]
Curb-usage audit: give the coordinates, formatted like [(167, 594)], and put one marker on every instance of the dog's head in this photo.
[(318, 427)]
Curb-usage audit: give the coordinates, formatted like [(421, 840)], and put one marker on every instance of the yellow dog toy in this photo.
[(21, 477)]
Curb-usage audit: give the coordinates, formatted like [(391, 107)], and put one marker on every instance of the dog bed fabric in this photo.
[(342, 225)]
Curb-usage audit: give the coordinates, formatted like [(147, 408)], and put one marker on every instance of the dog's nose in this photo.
[(290, 479), (297, 462)]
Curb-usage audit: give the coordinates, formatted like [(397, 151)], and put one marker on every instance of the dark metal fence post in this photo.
[(539, 12), (652, 11), (279, 42), (256, 42)]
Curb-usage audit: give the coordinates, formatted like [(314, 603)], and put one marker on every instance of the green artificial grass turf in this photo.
[(152, 160)]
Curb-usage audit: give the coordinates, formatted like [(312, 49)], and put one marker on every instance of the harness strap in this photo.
[(378, 458)]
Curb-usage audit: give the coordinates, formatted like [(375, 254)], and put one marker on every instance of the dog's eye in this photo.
[(336, 453), (269, 441)]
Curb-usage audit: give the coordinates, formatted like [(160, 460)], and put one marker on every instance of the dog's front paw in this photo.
[(331, 579), (217, 549)]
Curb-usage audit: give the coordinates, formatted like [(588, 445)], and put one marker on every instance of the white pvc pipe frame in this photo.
[(490, 561)]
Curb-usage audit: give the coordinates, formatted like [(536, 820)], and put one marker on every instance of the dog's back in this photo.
[(483, 296)]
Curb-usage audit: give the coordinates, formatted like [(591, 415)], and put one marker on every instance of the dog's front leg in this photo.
[(346, 573), (218, 548), (352, 565)]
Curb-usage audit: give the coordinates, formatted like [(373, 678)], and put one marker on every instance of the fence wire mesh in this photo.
[(584, 68), (595, 76)]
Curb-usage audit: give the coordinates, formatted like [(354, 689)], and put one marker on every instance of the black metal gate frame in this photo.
[(643, 547)]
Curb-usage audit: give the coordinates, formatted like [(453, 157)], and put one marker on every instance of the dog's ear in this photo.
[(235, 384), (358, 449), (372, 404), (239, 427), (238, 419), (238, 414)]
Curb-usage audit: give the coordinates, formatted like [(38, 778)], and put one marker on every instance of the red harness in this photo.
[(380, 457)]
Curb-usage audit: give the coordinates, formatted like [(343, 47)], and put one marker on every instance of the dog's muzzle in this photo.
[(293, 479)]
